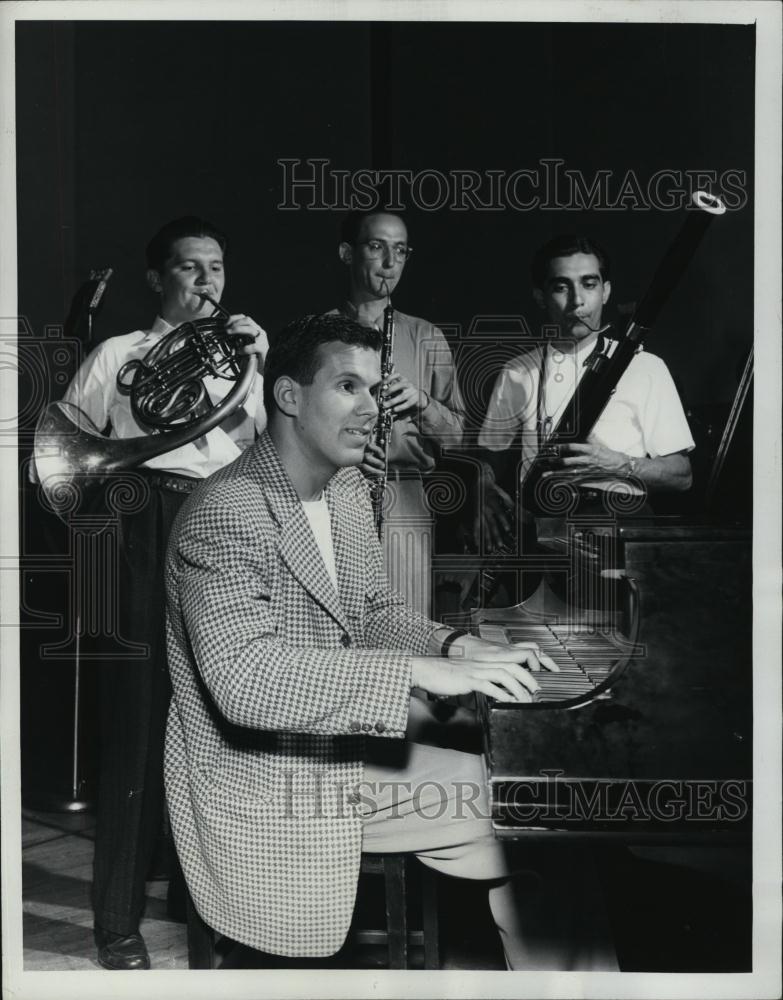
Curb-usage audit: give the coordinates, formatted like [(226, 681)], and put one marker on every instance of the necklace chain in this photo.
[(545, 421)]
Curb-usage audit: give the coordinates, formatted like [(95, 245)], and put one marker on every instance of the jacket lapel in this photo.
[(349, 554), (298, 548), (301, 554)]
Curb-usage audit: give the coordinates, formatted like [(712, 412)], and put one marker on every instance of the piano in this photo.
[(646, 733)]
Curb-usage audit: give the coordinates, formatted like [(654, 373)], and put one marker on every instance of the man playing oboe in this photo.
[(422, 394)]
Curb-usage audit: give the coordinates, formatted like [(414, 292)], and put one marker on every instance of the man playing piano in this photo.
[(640, 443), (292, 663)]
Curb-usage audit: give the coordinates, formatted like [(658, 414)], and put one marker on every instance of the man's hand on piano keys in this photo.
[(501, 672)]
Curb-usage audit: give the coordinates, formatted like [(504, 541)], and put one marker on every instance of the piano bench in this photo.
[(396, 935)]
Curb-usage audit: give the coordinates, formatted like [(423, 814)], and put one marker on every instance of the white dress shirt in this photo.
[(644, 416), (94, 390)]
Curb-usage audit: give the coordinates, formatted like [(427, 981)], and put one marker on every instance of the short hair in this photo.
[(294, 351), (566, 245), (159, 247), (352, 223)]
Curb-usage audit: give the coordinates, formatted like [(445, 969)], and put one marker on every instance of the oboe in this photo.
[(385, 418)]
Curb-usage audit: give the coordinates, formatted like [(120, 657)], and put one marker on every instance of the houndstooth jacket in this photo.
[(277, 683)]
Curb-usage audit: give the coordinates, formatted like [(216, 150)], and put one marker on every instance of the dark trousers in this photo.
[(134, 698)]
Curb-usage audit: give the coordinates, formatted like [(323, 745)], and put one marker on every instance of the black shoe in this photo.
[(121, 952)]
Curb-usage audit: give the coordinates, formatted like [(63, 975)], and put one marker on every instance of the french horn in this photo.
[(167, 395)]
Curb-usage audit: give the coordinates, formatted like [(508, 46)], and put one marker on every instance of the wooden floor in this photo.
[(677, 916), (56, 875), (57, 850)]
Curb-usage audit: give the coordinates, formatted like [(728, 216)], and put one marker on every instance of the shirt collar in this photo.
[(158, 329), (583, 349), (350, 310), (160, 326)]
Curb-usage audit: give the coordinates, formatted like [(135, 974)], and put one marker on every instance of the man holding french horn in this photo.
[(185, 267)]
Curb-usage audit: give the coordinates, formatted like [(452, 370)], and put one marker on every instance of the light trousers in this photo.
[(433, 801)]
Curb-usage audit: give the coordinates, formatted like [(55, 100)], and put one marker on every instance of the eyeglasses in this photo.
[(378, 248)]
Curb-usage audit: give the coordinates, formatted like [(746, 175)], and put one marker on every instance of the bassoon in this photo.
[(605, 367), (603, 370)]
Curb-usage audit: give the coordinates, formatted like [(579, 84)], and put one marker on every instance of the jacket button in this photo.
[(366, 727), (355, 727), (345, 639), (379, 727)]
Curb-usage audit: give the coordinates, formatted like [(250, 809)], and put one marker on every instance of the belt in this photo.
[(625, 505), (402, 475), (171, 481), (590, 493)]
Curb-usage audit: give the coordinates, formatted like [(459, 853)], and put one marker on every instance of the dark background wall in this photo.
[(122, 126)]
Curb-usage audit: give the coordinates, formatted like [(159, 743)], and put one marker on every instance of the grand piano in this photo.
[(646, 733)]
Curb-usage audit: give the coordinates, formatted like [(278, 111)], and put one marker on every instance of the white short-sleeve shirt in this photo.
[(644, 416)]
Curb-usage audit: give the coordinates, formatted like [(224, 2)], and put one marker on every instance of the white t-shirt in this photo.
[(94, 391), (644, 416), (321, 525)]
